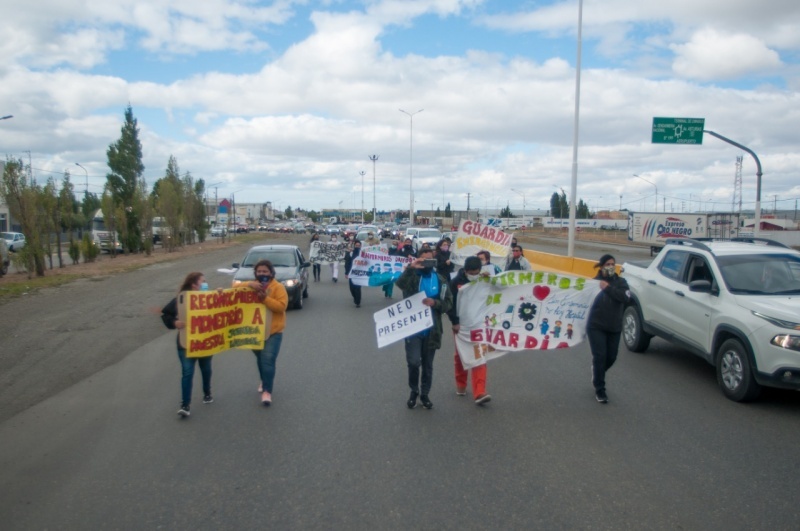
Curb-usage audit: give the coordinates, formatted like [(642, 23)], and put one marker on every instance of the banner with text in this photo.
[(218, 321), (473, 237), (327, 252), (377, 269), (403, 319), (522, 310)]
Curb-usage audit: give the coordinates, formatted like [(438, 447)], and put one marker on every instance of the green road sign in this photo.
[(678, 130)]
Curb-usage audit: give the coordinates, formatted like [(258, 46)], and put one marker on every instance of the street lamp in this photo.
[(76, 164), (6, 117), (656, 187), (411, 163), (362, 173), (523, 203), (374, 159)]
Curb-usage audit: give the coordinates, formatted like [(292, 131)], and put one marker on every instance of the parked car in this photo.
[(291, 269), (218, 231), (734, 303), (14, 240), (5, 259)]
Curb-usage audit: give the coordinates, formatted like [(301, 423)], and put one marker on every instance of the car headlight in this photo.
[(786, 341), (290, 283), (778, 322)]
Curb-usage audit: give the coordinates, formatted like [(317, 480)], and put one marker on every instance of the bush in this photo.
[(89, 249), (74, 251)]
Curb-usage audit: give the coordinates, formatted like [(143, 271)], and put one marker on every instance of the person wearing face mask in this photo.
[(316, 267), (488, 269), (334, 265), (273, 295), (169, 316), (407, 249), (420, 276), (605, 322), (355, 291), (442, 254), (517, 262), (470, 272)]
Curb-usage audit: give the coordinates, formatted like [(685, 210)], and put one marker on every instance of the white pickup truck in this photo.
[(735, 303)]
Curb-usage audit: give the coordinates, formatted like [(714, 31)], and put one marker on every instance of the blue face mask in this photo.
[(204, 286), (264, 279)]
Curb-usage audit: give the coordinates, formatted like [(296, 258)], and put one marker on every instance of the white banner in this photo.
[(327, 252), (403, 319), (377, 269), (473, 237), (522, 310)]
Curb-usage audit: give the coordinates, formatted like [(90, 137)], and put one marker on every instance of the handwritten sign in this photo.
[(377, 268), (403, 319), (327, 252)]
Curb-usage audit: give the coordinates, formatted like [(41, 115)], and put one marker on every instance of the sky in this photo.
[(286, 101)]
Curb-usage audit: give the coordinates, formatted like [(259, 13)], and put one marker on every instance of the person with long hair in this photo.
[(273, 295), (444, 266), (605, 322), (316, 267), (355, 290), (169, 315)]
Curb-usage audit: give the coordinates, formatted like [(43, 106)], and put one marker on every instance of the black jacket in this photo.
[(459, 280), (608, 306), (441, 264), (348, 260)]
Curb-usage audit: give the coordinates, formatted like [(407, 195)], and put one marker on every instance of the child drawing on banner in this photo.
[(557, 329), (544, 326), (569, 331)]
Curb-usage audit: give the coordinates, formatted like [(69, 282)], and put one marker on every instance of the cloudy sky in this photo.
[(286, 100)]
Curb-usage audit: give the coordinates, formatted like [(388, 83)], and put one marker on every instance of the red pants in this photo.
[(478, 377)]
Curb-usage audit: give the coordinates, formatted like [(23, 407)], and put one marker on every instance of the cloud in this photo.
[(712, 55)]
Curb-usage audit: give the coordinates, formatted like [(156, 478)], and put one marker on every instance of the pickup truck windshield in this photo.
[(761, 274)]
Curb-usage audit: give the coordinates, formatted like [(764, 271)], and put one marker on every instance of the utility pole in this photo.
[(374, 159), (362, 173)]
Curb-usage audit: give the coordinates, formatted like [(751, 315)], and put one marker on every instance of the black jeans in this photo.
[(605, 346), (355, 291), (317, 268), (419, 354)]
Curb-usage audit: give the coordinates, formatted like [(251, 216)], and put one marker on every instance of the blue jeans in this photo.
[(265, 359), (187, 369)]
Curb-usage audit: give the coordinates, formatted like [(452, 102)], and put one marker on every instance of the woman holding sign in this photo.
[(274, 296), (169, 315)]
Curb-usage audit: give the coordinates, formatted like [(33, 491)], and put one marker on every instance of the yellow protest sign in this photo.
[(220, 320)]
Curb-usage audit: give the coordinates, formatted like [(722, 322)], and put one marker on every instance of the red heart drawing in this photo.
[(541, 292)]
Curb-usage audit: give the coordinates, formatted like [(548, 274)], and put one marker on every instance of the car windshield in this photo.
[(429, 233), (7, 236), (761, 274), (278, 258)]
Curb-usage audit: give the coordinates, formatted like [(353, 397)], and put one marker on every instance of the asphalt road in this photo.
[(339, 449)]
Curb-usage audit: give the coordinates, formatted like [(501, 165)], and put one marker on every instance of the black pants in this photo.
[(355, 291), (605, 346), (419, 355), (317, 270)]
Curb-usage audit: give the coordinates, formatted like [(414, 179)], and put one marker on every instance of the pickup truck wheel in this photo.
[(635, 338), (734, 373)]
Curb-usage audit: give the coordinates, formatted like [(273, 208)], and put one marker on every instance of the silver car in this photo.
[(14, 240)]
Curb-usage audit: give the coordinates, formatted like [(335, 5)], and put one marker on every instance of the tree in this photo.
[(288, 212), (23, 196), (438, 212), (169, 202), (506, 212), (125, 179), (447, 212), (51, 222)]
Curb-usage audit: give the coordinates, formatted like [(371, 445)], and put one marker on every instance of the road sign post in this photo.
[(678, 130)]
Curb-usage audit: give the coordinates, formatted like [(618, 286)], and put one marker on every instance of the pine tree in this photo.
[(125, 178)]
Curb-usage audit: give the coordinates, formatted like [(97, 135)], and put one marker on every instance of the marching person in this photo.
[(442, 254), (604, 327), (517, 261), (407, 249), (420, 276), (316, 267), (471, 271), (371, 239), (169, 315), (355, 291), (335, 263), (488, 269), (274, 297)]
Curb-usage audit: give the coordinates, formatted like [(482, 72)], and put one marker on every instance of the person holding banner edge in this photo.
[(604, 327), (316, 268), (355, 291), (420, 275), (169, 316), (274, 296), (470, 272)]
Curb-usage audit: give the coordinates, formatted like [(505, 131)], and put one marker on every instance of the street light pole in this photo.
[(654, 186), (362, 173), (411, 163), (6, 117), (523, 204), (87, 177), (374, 159)]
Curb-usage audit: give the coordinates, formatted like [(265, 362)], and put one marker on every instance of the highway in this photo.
[(339, 449)]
